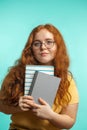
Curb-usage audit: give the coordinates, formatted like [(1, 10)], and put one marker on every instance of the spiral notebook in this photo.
[(44, 86)]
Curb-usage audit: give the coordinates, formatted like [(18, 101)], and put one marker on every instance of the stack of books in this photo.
[(41, 82), (30, 71)]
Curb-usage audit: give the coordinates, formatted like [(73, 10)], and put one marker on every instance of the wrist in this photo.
[(51, 116)]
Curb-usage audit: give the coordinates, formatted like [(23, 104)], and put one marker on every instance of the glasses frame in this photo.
[(41, 43)]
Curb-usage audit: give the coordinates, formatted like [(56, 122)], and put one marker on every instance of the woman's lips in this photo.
[(44, 54)]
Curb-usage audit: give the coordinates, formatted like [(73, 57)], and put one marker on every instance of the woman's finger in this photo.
[(42, 102)]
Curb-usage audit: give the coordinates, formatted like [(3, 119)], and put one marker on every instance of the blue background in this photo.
[(18, 17)]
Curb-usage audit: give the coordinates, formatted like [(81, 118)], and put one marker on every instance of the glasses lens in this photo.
[(37, 44), (49, 43)]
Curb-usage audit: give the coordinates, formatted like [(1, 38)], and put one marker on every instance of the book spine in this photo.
[(33, 82)]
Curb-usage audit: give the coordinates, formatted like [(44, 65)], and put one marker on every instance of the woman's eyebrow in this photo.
[(36, 40), (44, 39)]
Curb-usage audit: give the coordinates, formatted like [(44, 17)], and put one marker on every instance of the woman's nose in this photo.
[(43, 46)]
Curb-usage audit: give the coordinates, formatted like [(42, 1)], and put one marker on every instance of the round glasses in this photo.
[(48, 44)]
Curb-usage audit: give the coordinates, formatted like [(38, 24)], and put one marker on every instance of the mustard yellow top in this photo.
[(28, 121)]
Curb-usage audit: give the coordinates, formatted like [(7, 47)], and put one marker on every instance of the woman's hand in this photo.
[(26, 103), (42, 111)]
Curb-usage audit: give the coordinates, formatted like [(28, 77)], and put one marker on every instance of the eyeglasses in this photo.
[(48, 44)]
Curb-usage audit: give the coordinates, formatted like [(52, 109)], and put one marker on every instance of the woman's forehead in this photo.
[(43, 34)]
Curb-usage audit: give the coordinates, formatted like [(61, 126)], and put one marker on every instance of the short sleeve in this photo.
[(74, 92)]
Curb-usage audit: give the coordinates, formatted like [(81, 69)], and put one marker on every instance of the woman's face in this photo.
[(44, 47)]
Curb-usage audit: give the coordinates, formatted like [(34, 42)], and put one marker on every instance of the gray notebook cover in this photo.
[(44, 86)]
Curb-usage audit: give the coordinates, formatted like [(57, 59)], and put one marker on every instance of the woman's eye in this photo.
[(37, 44), (49, 42)]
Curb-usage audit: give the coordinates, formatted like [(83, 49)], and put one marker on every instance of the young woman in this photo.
[(45, 46)]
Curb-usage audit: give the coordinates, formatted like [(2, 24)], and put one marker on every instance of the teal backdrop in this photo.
[(18, 17)]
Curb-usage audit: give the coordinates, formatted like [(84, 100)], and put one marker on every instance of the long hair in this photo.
[(13, 84)]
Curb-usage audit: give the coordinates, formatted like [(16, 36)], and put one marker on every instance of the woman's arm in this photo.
[(9, 109), (64, 120), (25, 104)]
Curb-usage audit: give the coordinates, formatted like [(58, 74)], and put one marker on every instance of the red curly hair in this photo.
[(13, 84)]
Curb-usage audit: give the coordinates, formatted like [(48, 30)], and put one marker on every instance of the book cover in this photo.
[(30, 71), (44, 86)]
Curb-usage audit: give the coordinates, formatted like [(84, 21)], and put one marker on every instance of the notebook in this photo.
[(30, 71), (44, 86)]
